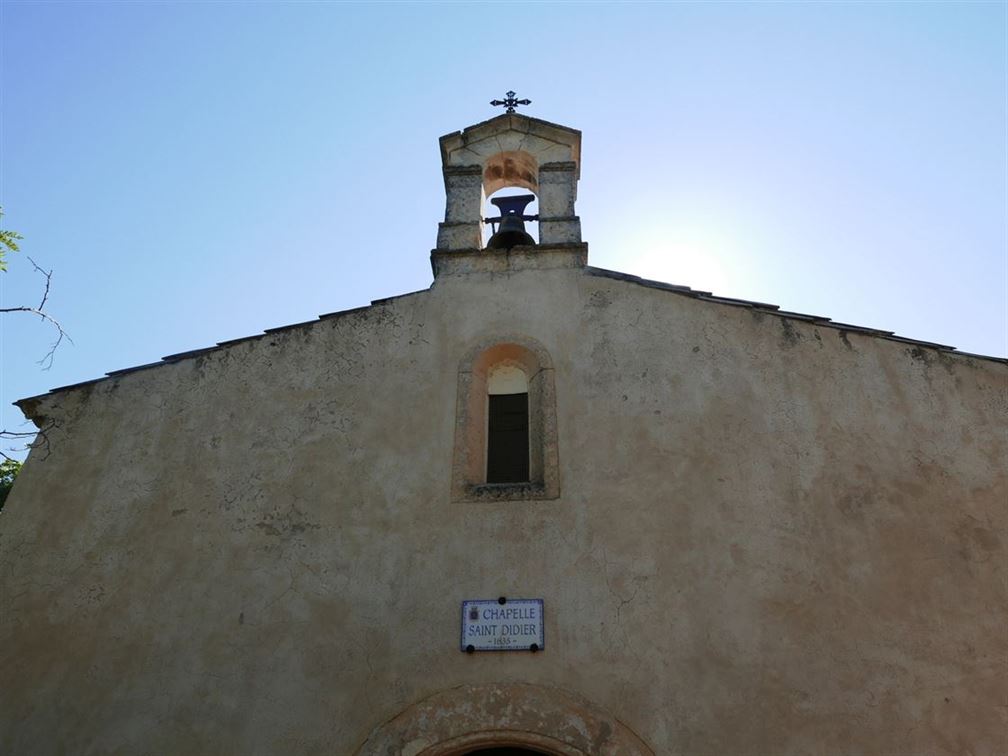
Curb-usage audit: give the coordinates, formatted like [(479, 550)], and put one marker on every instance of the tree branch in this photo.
[(48, 280), (40, 436), (47, 361)]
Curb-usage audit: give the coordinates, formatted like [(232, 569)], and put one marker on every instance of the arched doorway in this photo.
[(505, 752)]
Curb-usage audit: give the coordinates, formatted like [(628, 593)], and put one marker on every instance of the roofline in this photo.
[(704, 296), (179, 356), (771, 309), (501, 116)]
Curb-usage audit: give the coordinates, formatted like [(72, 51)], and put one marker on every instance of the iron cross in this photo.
[(510, 102)]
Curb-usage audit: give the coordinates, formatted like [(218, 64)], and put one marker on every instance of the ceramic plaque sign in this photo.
[(502, 624)]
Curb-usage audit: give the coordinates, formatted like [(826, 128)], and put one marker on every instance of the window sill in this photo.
[(507, 492)]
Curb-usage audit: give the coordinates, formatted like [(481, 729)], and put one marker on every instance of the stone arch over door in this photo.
[(469, 717)]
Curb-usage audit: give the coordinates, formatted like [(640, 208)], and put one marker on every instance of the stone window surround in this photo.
[(469, 457)]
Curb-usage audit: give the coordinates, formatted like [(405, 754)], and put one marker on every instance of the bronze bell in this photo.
[(512, 222)]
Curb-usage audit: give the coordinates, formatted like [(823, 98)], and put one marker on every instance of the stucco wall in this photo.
[(771, 537)]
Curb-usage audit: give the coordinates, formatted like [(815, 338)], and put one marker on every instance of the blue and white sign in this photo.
[(508, 625)]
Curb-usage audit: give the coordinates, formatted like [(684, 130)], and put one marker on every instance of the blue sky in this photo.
[(196, 172)]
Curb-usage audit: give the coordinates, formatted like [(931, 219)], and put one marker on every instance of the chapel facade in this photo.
[(539, 507)]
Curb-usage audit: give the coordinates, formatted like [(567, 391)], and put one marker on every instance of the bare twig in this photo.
[(14, 436), (47, 361), (39, 440), (48, 281)]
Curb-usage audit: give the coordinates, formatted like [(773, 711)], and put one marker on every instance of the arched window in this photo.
[(505, 429)]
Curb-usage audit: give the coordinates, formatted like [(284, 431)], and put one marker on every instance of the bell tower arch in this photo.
[(511, 150)]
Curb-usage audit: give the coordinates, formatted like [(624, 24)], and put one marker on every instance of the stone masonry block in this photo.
[(459, 236), (557, 189), (463, 194), (566, 230)]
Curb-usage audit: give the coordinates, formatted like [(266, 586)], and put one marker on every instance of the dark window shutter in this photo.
[(508, 439)]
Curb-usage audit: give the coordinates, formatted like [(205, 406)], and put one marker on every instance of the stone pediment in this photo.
[(512, 132)]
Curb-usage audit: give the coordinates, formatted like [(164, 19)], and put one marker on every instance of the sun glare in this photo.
[(698, 258)]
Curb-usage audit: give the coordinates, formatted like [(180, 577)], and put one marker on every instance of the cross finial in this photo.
[(510, 103)]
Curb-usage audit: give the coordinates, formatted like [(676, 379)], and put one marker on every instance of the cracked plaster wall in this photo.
[(771, 537)]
